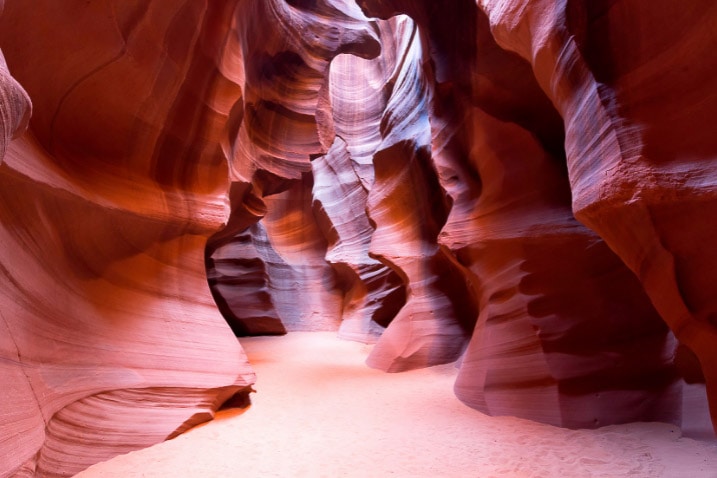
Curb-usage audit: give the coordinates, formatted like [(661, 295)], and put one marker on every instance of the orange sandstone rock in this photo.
[(634, 86), (111, 341), (525, 185)]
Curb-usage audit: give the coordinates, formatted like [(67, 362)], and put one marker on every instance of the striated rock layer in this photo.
[(408, 207), (460, 140), (110, 338), (549, 343), (524, 186), (285, 53), (373, 293), (15, 107), (632, 83)]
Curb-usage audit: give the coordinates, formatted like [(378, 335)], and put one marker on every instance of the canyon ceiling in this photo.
[(525, 186)]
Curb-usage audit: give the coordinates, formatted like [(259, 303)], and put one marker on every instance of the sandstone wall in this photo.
[(523, 187)]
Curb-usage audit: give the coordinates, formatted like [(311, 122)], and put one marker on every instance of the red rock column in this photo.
[(550, 343), (372, 292), (565, 334), (110, 338), (634, 83), (408, 207), (359, 91)]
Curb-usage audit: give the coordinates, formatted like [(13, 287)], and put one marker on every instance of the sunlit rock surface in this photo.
[(408, 207), (372, 292), (550, 343), (525, 188), (285, 53)]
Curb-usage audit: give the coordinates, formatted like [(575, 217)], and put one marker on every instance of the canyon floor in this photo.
[(320, 412)]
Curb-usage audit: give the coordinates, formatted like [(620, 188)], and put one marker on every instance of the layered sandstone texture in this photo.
[(110, 340), (468, 144), (471, 182), (634, 86), (525, 187)]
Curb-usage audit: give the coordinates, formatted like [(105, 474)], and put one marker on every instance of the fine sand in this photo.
[(320, 412)]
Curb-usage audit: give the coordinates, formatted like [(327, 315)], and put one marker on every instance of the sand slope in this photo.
[(320, 412)]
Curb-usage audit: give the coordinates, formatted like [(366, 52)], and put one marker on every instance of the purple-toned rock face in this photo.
[(525, 186)]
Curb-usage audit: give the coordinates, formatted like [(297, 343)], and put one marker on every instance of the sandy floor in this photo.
[(320, 412)]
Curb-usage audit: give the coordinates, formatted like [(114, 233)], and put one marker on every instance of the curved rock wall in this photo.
[(549, 343), (111, 341), (408, 207), (524, 186), (285, 53), (465, 156), (372, 292), (631, 82), (15, 107)]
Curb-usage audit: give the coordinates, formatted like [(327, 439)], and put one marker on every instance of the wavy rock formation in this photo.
[(285, 52), (550, 344), (565, 335), (372, 292), (238, 258), (631, 82), (525, 185), (304, 284), (355, 101), (408, 207), (111, 341), (15, 107), (458, 155)]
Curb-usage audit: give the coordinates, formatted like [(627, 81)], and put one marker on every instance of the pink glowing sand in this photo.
[(320, 412)]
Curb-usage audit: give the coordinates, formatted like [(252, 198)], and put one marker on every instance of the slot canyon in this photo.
[(524, 191)]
